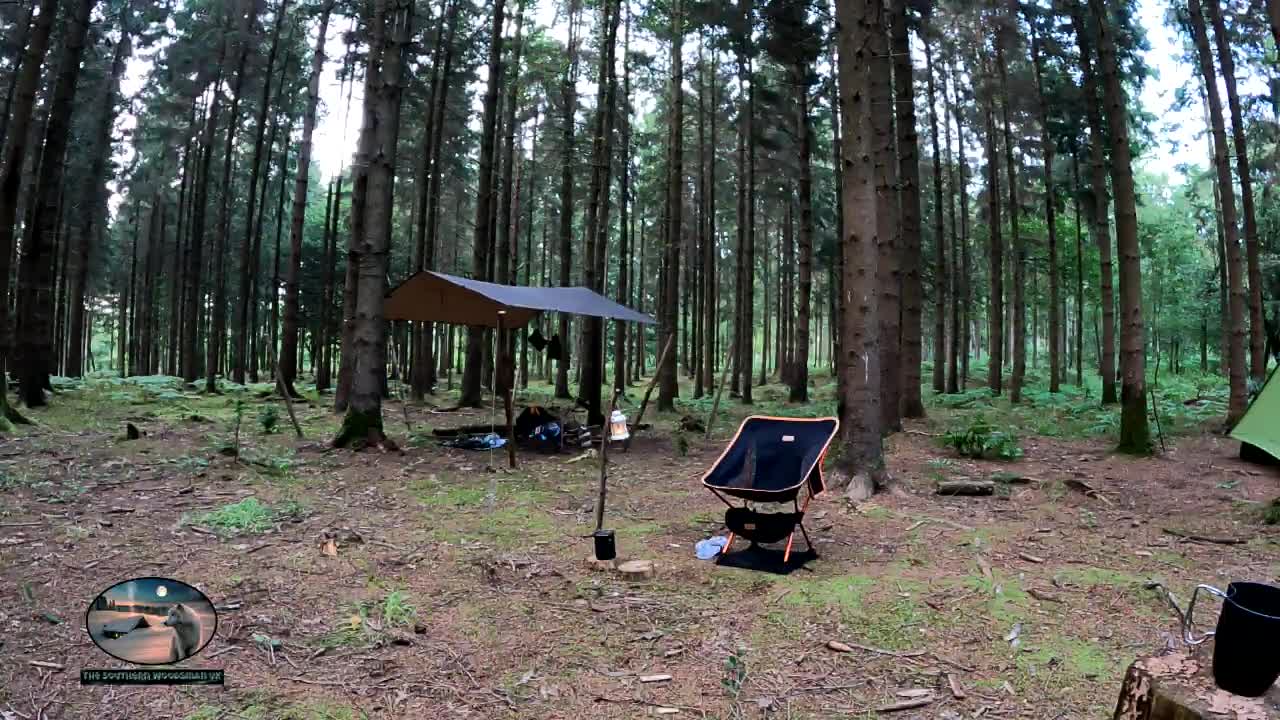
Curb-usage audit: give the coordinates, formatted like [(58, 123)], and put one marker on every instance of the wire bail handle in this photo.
[(1187, 619)]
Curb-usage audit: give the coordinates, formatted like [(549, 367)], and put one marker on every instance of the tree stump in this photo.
[(636, 570), (1180, 686)]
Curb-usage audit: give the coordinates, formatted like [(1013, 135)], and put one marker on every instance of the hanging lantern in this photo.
[(618, 426)]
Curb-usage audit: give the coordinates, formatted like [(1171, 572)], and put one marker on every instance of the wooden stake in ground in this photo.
[(644, 403), (604, 460), (715, 404), (288, 401)]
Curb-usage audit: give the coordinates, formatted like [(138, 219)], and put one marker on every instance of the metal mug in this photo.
[(1246, 652)]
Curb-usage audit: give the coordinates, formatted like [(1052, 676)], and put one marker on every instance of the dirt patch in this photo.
[(436, 583)]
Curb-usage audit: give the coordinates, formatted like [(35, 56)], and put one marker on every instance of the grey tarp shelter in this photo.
[(430, 296)]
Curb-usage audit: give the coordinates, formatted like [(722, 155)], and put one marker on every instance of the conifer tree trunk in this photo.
[(569, 99), (240, 328), (1097, 206), (33, 346), (1047, 145), (888, 229), (15, 153), (942, 360), (507, 199), (965, 286), (800, 362), (1273, 13), (288, 367), (91, 206), (597, 224), (23, 28), (1237, 401), (995, 306), (668, 388), (1240, 143), (1135, 434), (910, 402), (860, 414), (390, 23), (439, 99), (216, 341), (1079, 358), (710, 283), (324, 359), (1019, 252), (483, 237), (192, 282), (620, 375)]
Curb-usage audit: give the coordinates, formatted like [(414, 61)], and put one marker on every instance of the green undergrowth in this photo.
[(248, 516)]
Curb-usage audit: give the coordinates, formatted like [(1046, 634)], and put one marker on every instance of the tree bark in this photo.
[(240, 328), (888, 229), (1239, 141), (1050, 202), (215, 342), (1135, 435), (859, 411), (289, 335), (483, 238), (390, 21), (668, 387), (942, 360), (1096, 206), (91, 206), (1017, 247), (1273, 13), (911, 404), (597, 224), (1237, 371), (568, 97), (995, 307), (15, 152), (33, 348), (1075, 176), (800, 360)]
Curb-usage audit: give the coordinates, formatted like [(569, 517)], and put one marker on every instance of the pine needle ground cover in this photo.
[(401, 585)]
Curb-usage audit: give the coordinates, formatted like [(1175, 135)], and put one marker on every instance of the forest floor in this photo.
[(444, 600)]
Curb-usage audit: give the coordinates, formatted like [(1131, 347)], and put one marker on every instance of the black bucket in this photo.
[(1246, 658), (605, 548)]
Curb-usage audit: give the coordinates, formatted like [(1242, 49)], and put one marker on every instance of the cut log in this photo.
[(1180, 686), (636, 570), (966, 487)]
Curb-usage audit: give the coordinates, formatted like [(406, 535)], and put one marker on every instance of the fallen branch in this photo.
[(839, 646), (906, 704), (47, 665), (1204, 538), (966, 487)]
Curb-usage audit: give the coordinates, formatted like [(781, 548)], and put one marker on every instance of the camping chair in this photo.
[(771, 460)]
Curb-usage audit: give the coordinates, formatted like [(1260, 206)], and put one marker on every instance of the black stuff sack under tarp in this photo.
[(537, 340), (539, 429)]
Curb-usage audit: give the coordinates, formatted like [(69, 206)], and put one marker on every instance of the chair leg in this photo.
[(807, 539), (724, 550), (786, 554)]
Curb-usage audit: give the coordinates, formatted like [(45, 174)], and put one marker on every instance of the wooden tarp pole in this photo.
[(724, 372), (501, 381), (649, 390), (604, 459)]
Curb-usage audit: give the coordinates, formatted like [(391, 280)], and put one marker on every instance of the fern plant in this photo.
[(982, 440)]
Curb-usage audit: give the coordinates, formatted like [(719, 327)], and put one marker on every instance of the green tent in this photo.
[(1259, 430)]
